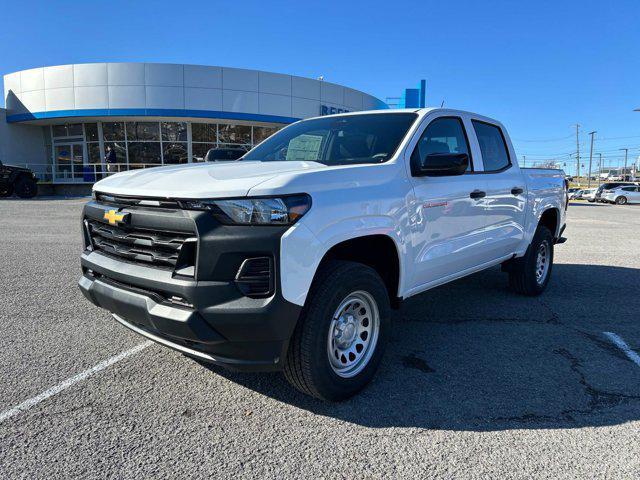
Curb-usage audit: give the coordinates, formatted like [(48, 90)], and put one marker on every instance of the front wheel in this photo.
[(530, 274), (340, 337), (6, 191), (621, 201)]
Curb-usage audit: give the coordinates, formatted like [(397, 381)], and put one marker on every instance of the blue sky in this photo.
[(538, 66)]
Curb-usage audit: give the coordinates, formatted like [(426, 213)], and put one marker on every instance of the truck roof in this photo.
[(420, 111)]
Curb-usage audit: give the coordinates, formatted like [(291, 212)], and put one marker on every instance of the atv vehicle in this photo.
[(18, 180)]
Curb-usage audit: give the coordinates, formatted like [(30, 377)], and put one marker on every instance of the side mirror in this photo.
[(440, 165)]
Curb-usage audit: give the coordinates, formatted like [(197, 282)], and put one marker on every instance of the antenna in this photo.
[(442, 104)]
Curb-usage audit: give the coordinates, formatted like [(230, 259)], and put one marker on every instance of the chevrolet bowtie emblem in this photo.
[(113, 217)]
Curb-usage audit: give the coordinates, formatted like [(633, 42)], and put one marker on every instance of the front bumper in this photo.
[(213, 320)]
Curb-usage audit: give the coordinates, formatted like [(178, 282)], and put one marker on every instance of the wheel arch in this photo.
[(550, 218), (378, 251)]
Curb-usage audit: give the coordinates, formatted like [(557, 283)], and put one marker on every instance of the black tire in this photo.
[(621, 200), (26, 188), (6, 191), (591, 201), (522, 273), (307, 366)]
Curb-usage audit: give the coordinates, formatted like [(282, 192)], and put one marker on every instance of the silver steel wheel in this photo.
[(353, 334), (542, 262)]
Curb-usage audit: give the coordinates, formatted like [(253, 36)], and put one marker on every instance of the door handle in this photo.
[(516, 191), (478, 194)]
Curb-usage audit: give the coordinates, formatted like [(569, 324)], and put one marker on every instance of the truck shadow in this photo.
[(474, 356)]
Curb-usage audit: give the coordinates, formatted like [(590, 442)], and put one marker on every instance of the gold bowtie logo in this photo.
[(114, 217)]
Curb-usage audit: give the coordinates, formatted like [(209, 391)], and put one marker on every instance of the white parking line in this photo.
[(622, 345), (27, 404)]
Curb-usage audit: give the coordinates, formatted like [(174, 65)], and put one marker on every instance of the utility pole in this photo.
[(624, 172), (524, 161), (590, 158), (600, 169), (577, 153)]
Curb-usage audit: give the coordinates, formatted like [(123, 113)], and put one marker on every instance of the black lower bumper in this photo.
[(220, 325)]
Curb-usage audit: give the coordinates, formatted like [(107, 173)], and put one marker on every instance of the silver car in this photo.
[(622, 195)]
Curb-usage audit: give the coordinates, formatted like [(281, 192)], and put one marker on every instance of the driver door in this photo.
[(448, 213)]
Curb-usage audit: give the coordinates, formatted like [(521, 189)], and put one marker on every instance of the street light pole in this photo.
[(624, 172), (590, 157)]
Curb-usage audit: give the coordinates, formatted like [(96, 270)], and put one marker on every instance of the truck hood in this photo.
[(201, 180)]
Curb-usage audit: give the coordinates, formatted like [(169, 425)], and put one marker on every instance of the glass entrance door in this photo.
[(69, 160)]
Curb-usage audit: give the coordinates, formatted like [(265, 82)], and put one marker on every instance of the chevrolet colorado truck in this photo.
[(292, 257)]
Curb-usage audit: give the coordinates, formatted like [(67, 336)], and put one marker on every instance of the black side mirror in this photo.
[(440, 165)]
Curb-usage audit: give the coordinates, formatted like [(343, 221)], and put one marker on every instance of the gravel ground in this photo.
[(477, 381)]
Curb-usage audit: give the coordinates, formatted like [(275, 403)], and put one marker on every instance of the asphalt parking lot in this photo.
[(477, 381)]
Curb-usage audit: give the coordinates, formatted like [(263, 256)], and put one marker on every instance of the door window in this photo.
[(493, 147), (443, 135)]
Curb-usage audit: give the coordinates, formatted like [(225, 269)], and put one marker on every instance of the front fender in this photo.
[(302, 250)]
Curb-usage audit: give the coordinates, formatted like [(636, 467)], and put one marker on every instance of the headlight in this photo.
[(254, 211)]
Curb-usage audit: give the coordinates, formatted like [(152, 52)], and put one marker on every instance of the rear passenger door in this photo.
[(506, 191)]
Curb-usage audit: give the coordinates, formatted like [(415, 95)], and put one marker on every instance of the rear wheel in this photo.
[(339, 340), (26, 188), (621, 200), (530, 274)]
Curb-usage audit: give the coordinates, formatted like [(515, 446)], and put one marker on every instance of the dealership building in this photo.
[(59, 120)]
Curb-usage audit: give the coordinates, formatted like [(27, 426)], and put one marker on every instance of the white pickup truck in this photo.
[(291, 257)]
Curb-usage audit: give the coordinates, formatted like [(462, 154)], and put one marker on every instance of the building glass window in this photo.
[(91, 132), (144, 152), (59, 130), (67, 130), (113, 131), (93, 149), (143, 131), (74, 130), (199, 150), (174, 153), (262, 133), (120, 149), (204, 132), (141, 144), (174, 131), (234, 134)]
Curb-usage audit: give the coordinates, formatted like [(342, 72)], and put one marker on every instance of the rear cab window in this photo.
[(493, 147)]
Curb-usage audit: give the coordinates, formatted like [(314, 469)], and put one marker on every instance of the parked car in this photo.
[(609, 186), (292, 257), (18, 180), (575, 193), (622, 195), (588, 194), (224, 154)]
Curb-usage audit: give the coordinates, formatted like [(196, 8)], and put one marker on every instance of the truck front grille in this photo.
[(161, 249)]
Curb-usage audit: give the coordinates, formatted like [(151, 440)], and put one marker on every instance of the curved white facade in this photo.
[(61, 120), (171, 90)]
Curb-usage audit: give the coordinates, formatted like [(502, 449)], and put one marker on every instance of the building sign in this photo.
[(327, 110)]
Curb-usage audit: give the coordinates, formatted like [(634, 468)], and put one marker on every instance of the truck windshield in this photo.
[(341, 140)]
